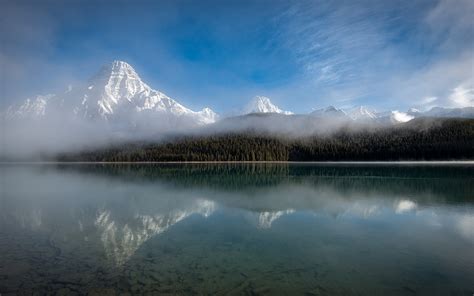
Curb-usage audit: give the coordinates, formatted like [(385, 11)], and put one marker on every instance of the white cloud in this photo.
[(462, 97), (459, 97)]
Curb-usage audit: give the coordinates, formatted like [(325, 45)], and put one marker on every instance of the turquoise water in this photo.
[(230, 229)]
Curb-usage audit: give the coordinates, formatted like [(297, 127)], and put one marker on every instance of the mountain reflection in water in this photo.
[(237, 228)]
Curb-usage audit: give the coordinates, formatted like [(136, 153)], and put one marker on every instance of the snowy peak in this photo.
[(119, 89), (466, 112), (330, 111), (33, 108), (260, 104), (361, 113), (118, 80), (207, 115), (115, 94), (116, 69), (122, 68), (413, 111)]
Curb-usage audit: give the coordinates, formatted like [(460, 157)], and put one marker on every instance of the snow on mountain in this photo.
[(115, 94), (32, 107), (466, 112), (330, 111), (364, 114), (207, 116), (361, 113), (260, 104), (413, 112), (386, 117)]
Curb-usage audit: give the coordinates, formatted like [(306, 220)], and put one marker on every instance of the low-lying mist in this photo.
[(36, 139), (289, 126)]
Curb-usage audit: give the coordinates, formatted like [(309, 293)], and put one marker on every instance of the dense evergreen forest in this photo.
[(417, 140)]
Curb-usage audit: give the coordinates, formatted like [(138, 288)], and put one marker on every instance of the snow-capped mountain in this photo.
[(399, 116), (117, 95), (364, 114), (260, 104), (33, 108), (361, 113), (330, 111), (396, 116), (413, 112), (466, 112)]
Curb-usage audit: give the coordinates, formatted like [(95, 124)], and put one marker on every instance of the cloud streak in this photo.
[(381, 54)]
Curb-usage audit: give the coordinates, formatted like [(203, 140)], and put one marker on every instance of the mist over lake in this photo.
[(294, 229)]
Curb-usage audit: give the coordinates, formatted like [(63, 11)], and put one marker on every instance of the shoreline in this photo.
[(403, 162)]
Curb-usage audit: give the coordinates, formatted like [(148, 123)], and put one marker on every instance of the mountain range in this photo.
[(117, 97)]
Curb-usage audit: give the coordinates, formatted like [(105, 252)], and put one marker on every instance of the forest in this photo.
[(447, 139)]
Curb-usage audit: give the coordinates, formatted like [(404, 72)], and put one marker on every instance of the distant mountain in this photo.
[(33, 108), (361, 113), (330, 111), (261, 104), (393, 117), (413, 112), (367, 115), (466, 112), (116, 95)]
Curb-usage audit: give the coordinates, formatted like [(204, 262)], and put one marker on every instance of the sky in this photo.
[(304, 55)]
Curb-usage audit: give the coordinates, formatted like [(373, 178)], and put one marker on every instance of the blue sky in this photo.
[(301, 54)]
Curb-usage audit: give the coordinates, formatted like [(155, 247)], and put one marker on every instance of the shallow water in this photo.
[(232, 229)]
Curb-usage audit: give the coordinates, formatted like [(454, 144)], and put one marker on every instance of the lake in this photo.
[(237, 229)]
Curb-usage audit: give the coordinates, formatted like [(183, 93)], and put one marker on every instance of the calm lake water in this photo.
[(230, 229)]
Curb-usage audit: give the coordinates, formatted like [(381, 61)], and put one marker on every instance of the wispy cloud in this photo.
[(385, 54)]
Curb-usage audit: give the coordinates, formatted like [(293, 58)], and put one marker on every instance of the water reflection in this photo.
[(122, 238), (237, 228)]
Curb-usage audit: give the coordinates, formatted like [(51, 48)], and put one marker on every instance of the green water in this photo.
[(229, 229)]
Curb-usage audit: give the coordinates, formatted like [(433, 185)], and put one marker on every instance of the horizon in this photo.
[(303, 56)]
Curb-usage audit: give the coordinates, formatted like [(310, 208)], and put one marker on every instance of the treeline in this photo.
[(441, 140)]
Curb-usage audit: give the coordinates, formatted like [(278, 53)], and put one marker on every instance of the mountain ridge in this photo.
[(115, 92), (117, 95)]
